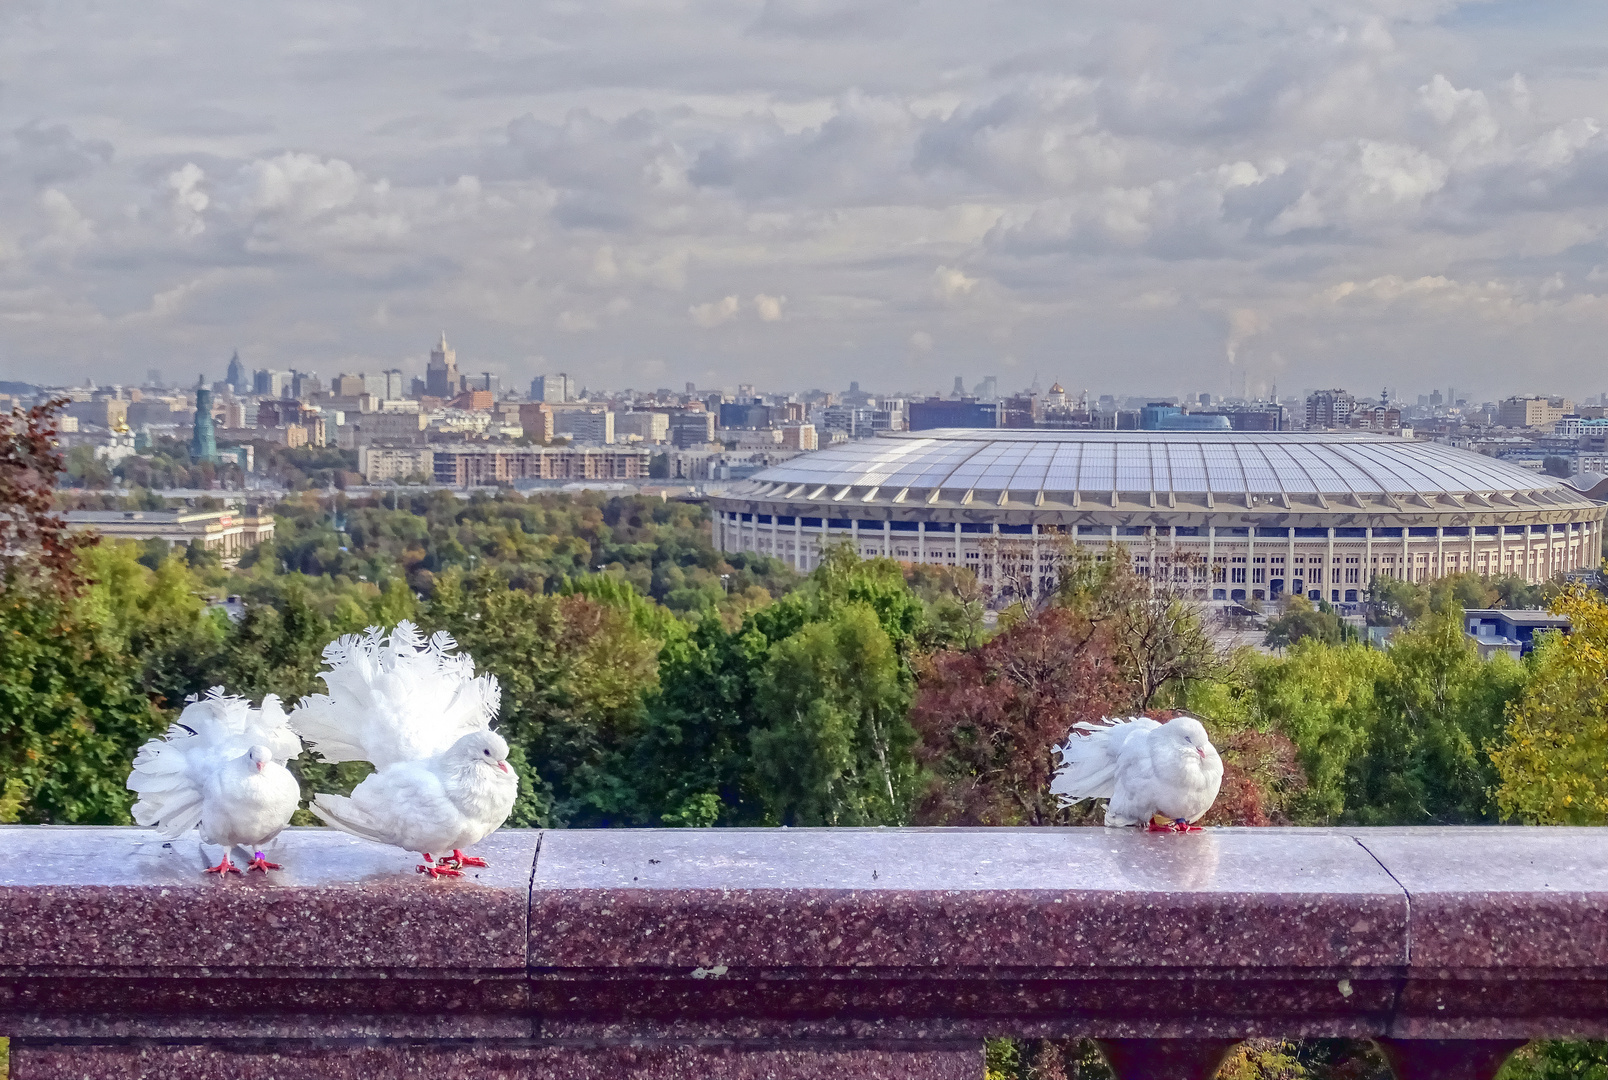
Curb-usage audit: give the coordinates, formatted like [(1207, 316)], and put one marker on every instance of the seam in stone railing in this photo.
[(530, 898), (1406, 932)]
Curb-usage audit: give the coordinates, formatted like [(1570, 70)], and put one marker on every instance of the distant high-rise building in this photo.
[(305, 384), (395, 390), (960, 387), (441, 375), (585, 425), (1533, 412), (938, 413), (1329, 409), (203, 439), (537, 420), (555, 389), (236, 378), (484, 381), (692, 389), (153, 377), (270, 383)]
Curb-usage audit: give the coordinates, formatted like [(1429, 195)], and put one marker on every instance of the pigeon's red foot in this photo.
[(1184, 826), (260, 864), (459, 859), (224, 867), (437, 869)]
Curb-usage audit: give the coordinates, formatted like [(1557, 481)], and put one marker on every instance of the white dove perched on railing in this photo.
[(415, 710), (1161, 775), (221, 766)]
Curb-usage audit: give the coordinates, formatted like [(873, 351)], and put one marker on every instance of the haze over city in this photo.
[(795, 193)]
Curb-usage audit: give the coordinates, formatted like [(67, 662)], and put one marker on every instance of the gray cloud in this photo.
[(1344, 190)]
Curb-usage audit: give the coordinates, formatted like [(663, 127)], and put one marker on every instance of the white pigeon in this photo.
[(416, 711), (1162, 776), (221, 766)]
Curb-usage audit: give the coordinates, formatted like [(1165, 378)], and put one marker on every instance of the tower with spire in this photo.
[(236, 376), (441, 376)]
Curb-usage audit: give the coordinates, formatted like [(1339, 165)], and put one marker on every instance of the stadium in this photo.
[(1222, 516)]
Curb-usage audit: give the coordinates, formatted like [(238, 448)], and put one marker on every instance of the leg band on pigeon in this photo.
[(260, 864)]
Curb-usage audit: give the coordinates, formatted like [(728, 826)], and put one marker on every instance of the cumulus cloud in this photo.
[(187, 200), (769, 307), (951, 284), (715, 312)]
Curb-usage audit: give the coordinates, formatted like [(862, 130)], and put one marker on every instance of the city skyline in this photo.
[(1395, 192)]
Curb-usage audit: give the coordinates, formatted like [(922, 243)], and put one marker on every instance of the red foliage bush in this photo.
[(989, 717)]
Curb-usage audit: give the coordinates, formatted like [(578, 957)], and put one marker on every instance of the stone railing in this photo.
[(795, 953)]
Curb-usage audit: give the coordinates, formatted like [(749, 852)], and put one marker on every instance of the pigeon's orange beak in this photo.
[(260, 764), (1201, 750), (503, 765)]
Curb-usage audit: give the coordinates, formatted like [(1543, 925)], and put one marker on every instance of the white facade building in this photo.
[(1232, 515)]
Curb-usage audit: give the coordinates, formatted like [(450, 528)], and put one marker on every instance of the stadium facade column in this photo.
[(1289, 563), (921, 541), (1150, 536), (1329, 572), (1250, 561), (1211, 559), (1440, 551), (798, 541), (1406, 569), (887, 537)]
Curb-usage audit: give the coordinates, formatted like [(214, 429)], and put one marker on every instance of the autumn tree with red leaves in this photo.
[(989, 717), (34, 542)]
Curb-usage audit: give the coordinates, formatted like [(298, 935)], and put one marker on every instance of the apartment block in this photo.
[(1533, 412), (472, 468)]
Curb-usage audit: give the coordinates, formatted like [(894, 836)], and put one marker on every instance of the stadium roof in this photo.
[(1220, 464)]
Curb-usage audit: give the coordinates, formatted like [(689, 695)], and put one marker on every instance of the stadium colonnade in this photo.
[(1224, 516)]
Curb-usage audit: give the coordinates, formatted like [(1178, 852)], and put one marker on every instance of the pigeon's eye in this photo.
[(486, 752)]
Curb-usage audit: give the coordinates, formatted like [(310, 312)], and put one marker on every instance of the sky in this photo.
[(1153, 196)]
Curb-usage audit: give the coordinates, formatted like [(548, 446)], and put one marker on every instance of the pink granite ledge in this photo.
[(121, 899)]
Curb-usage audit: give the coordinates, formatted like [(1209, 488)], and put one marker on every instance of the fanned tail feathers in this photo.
[(169, 800), (394, 697), (1089, 760), (168, 772)]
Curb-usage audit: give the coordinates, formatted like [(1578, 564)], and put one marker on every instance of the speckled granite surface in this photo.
[(488, 1061), (100, 898), (877, 941)]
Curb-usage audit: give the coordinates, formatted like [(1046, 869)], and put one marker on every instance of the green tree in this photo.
[(1553, 756), (1301, 620), (698, 740), (1438, 706), (1558, 1061), (835, 747)]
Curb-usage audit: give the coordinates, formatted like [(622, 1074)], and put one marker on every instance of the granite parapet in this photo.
[(671, 944)]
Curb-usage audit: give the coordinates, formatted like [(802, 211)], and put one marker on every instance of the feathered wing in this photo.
[(404, 806), (1089, 760), (170, 773), (394, 698)]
